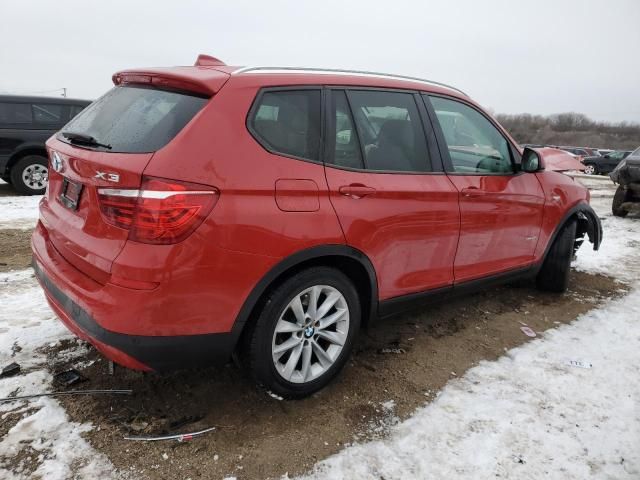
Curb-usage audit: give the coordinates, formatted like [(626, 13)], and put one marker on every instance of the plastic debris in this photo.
[(10, 370), (397, 351), (181, 437), (528, 332), (69, 377), (70, 392), (579, 363)]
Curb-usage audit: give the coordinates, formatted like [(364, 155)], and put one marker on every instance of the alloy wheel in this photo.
[(310, 334)]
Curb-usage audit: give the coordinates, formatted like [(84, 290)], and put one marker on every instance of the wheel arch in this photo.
[(24, 151), (350, 261), (588, 223)]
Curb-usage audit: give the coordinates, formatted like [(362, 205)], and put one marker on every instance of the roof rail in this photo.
[(330, 71)]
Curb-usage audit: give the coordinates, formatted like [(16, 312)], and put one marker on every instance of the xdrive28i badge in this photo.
[(56, 162)]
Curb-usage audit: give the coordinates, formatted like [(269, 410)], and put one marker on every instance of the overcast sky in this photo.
[(542, 56)]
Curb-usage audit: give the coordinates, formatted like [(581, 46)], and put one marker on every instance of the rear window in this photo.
[(136, 119)]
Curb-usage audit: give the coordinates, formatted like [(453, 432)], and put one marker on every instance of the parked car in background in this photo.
[(25, 124), (627, 176), (604, 151), (199, 211), (579, 153), (604, 164)]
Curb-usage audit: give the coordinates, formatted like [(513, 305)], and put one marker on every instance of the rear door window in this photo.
[(48, 113), (287, 122), (390, 130), (15, 113), (134, 119)]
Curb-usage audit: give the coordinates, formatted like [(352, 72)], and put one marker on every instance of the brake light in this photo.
[(160, 212)]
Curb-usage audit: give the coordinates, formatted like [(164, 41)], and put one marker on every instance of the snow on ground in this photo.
[(535, 412), (18, 211), (530, 414), (58, 450)]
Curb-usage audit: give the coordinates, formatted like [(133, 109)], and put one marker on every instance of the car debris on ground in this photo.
[(70, 392), (69, 377), (180, 437), (10, 370)]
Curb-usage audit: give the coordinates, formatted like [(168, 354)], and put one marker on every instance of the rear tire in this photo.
[(618, 199), (29, 176), (554, 274), (304, 354)]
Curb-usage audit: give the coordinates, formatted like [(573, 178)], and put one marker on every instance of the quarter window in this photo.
[(288, 122), (390, 131), (475, 145)]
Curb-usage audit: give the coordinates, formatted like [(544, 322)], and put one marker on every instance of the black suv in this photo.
[(25, 124)]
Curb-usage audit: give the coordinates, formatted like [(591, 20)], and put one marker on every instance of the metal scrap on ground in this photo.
[(70, 392), (181, 437)]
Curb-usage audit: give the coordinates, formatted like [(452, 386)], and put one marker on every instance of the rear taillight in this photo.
[(160, 212)]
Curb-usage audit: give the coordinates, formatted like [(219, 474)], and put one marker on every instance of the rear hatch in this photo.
[(108, 146)]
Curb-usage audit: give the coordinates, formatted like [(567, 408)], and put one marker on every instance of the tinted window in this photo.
[(346, 150), (475, 145), (288, 122), (136, 119), (15, 113), (390, 130), (47, 113), (75, 110)]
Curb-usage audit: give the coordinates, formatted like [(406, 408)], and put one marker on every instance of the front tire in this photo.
[(591, 169), (554, 274), (29, 176), (618, 199), (305, 332)]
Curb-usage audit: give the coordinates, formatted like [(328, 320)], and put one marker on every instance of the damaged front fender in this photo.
[(589, 224)]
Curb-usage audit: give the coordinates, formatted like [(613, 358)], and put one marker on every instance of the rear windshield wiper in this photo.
[(83, 139)]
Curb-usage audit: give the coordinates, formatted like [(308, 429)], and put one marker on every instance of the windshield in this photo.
[(134, 119), (635, 154)]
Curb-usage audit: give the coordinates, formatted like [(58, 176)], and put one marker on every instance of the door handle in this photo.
[(472, 192), (356, 190)]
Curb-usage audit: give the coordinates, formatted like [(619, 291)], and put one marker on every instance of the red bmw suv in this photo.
[(193, 212)]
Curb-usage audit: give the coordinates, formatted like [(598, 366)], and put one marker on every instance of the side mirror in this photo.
[(531, 161)]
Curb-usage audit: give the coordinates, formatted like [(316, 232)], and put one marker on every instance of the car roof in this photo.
[(210, 76), (355, 77), (49, 100)]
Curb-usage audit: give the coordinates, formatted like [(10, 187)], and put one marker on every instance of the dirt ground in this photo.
[(407, 359), (15, 252)]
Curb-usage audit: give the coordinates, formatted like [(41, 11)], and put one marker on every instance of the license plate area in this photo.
[(70, 194)]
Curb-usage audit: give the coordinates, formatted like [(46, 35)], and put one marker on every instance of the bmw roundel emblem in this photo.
[(56, 162)]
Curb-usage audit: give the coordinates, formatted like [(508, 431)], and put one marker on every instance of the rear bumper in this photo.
[(138, 352)]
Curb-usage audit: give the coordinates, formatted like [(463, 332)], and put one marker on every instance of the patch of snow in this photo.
[(555, 420), (619, 252), (532, 413), (58, 441), (19, 212), (26, 325)]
